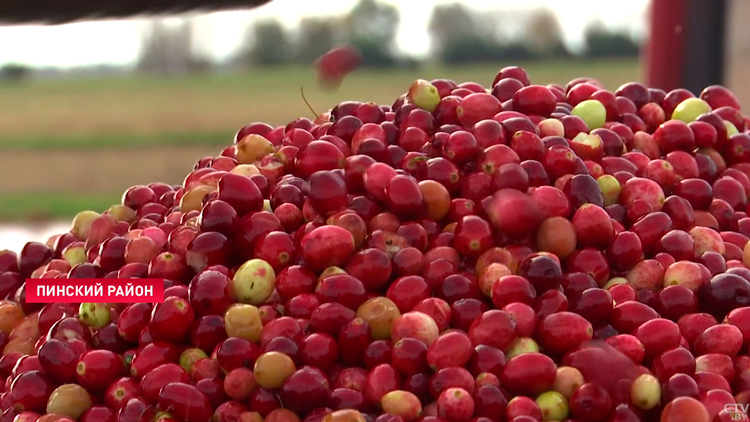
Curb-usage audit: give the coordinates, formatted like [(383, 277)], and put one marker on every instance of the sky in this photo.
[(221, 33)]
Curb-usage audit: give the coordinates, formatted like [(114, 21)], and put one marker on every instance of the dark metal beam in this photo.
[(64, 11), (704, 46)]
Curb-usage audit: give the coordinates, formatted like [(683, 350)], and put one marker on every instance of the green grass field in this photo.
[(114, 120), (144, 110), (42, 206)]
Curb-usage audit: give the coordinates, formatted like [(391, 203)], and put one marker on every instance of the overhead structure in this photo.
[(65, 11)]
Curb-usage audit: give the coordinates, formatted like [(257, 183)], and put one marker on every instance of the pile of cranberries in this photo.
[(521, 254)]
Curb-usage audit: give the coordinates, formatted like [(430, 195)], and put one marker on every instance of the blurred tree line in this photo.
[(458, 34), (14, 72), (371, 26), (170, 50)]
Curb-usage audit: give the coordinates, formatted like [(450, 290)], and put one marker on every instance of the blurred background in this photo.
[(88, 109)]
